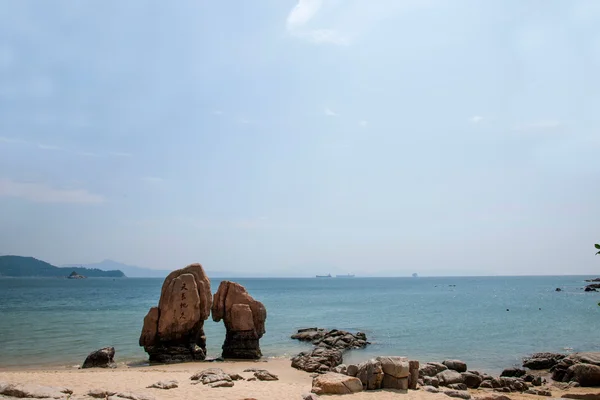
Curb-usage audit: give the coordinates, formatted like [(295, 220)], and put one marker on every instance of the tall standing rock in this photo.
[(244, 320), (174, 331)]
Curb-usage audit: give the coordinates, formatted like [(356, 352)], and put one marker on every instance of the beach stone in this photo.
[(352, 370), (235, 377), (103, 358), (320, 359), (174, 331), (164, 385), (309, 334), (513, 372), (582, 396), (431, 389), (431, 381), (310, 396), (396, 371), (133, 396), (334, 338), (458, 386), (537, 381), (584, 374), (340, 369), (264, 375), (456, 365), (34, 391), (487, 384), (449, 376), (371, 374), (431, 369), (219, 384), (244, 320), (493, 396), (539, 361), (538, 392), (471, 380), (413, 376), (101, 393), (458, 394), (332, 383)]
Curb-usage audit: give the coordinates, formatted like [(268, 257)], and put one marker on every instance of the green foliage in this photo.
[(597, 247), (16, 266)]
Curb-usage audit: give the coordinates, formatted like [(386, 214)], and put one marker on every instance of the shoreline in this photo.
[(292, 383)]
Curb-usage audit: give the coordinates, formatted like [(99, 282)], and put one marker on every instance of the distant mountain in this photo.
[(17, 266), (130, 270)]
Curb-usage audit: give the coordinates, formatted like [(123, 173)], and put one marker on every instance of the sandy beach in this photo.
[(292, 383)]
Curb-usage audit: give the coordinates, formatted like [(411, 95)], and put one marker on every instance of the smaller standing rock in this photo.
[(103, 358), (352, 370), (164, 385)]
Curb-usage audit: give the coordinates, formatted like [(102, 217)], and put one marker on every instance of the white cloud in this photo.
[(331, 113), (303, 12), (363, 123), (42, 193), (476, 119), (301, 15)]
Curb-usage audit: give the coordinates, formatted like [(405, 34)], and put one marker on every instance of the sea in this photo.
[(491, 323)]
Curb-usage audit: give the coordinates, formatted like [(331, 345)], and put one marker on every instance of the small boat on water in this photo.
[(345, 276), (324, 276)]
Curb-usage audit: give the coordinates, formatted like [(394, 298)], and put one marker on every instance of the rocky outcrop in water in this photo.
[(174, 331), (330, 345), (244, 320), (334, 338), (103, 358)]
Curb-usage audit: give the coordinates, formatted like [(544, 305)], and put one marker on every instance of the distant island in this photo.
[(75, 275), (29, 267)]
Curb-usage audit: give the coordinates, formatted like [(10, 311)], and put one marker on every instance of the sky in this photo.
[(295, 137)]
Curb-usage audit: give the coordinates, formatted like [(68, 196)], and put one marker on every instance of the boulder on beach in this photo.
[(103, 358), (565, 370), (584, 374), (431, 369), (396, 372), (471, 380), (332, 383), (456, 365), (174, 331), (319, 359), (513, 372), (539, 361), (371, 374), (244, 320), (449, 376)]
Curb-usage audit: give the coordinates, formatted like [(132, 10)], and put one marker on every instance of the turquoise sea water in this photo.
[(57, 322)]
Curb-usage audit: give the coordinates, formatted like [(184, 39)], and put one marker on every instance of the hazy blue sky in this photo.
[(290, 137)]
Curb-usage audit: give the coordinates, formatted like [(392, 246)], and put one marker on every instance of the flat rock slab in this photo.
[(219, 384), (164, 385), (458, 394), (33, 391), (582, 396)]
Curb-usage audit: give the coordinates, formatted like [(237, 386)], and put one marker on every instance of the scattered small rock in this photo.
[(310, 396), (430, 389), (582, 396), (458, 393), (30, 390), (164, 385), (538, 392), (100, 393), (218, 384), (513, 372), (264, 375), (456, 365)]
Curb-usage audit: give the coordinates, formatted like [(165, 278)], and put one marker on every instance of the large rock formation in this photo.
[(244, 320), (174, 331)]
